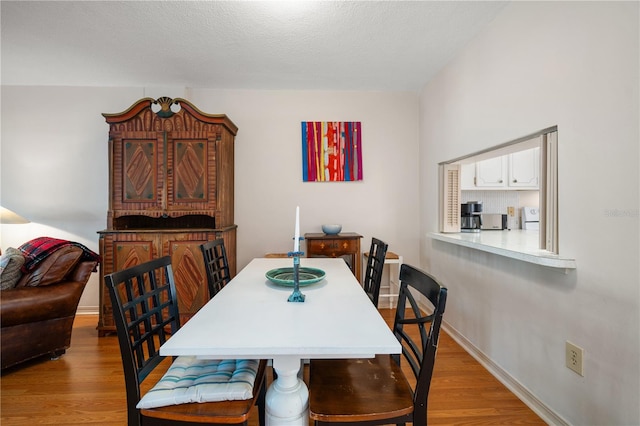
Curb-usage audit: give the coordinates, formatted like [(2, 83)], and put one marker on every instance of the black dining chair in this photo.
[(216, 265), (376, 391), (373, 272), (146, 314)]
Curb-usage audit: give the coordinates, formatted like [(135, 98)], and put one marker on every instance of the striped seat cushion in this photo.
[(190, 379)]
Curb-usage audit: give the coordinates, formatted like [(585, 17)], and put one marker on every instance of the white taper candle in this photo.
[(296, 238)]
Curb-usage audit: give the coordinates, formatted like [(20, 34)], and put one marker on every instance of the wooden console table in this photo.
[(345, 245)]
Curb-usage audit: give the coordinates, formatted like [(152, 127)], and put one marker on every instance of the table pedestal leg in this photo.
[(288, 397)]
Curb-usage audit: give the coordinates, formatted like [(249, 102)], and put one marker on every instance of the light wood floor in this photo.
[(86, 386)]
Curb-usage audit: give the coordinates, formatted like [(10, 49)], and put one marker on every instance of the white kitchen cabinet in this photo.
[(492, 173), (468, 176), (519, 170), (524, 169)]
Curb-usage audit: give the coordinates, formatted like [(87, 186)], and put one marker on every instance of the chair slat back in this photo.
[(420, 355), (145, 311), (375, 266), (216, 265)]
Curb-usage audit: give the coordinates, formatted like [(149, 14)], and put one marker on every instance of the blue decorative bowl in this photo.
[(331, 229)]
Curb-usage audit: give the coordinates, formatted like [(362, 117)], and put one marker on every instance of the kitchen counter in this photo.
[(516, 244)]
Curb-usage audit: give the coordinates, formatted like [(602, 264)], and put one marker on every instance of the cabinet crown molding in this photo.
[(164, 113)]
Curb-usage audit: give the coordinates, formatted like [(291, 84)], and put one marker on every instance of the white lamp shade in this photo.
[(10, 218)]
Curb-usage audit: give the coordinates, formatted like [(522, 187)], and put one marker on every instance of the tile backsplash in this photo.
[(498, 201)]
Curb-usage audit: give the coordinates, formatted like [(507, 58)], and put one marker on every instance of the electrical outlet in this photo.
[(511, 211), (573, 358)]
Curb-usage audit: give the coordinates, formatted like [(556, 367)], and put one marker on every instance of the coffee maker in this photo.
[(471, 219)]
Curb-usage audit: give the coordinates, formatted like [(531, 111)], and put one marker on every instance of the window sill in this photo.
[(515, 244)]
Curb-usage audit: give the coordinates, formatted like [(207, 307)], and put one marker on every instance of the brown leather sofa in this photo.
[(36, 316)]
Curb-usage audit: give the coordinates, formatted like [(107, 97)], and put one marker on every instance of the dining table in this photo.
[(252, 318)]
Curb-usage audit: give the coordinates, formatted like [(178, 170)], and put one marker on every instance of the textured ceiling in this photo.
[(327, 45)]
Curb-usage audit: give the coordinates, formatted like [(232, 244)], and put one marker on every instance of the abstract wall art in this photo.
[(331, 151)]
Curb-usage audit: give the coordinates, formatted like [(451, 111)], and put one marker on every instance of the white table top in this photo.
[(251, 318)]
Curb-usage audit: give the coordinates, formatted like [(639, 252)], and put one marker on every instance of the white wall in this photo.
[(539, 64), (54, 165), (268, 175)]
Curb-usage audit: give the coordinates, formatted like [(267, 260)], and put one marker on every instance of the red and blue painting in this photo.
[(331, 151)]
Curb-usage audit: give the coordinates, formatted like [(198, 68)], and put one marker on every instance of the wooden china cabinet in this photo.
[(171, 179)]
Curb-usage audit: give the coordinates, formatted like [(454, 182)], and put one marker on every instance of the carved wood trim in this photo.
[(140, 117)]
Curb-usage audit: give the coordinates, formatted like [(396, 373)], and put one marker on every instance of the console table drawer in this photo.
[(345, 245), (330, 247)]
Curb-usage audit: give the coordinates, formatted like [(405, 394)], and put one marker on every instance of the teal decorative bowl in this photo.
[(331, 229), (284, 276)]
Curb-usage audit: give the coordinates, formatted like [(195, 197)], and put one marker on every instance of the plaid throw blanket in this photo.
[(38, 249)]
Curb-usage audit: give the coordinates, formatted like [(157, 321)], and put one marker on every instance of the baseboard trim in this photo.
[(541, 409), (87, 310)]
